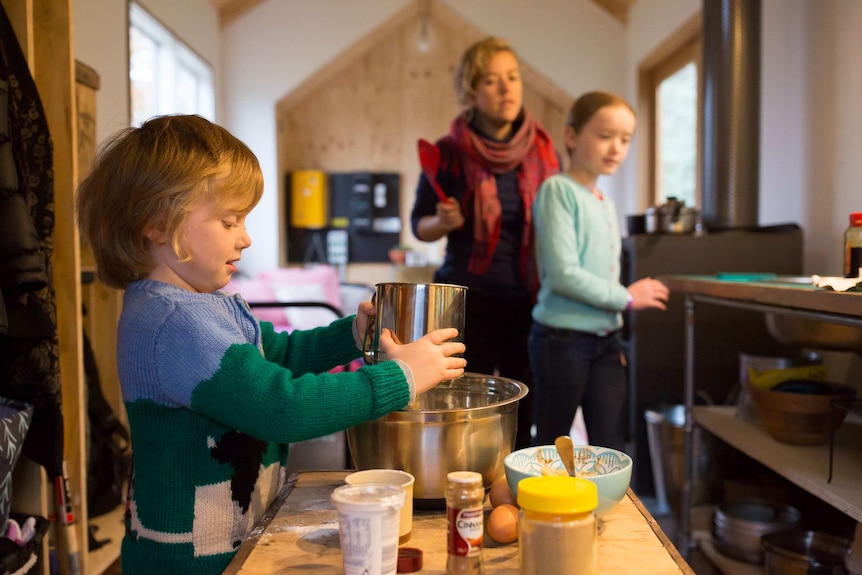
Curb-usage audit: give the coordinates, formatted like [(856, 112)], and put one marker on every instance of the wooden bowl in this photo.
[(800, 418), (804, 332)]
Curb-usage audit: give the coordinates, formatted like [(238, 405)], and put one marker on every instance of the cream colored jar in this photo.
[(557, 530)]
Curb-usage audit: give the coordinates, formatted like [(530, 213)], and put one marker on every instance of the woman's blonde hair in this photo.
[(474, 64), (149, 178)]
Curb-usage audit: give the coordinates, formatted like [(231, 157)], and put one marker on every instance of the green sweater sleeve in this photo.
[(265, 400), (286, 395), (311, 350)]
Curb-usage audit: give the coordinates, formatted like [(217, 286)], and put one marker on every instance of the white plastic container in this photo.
[(368, 519)]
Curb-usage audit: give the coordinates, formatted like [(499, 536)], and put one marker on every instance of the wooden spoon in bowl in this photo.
[(567, 453)]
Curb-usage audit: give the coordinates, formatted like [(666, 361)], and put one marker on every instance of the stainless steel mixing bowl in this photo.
[(467, 424)]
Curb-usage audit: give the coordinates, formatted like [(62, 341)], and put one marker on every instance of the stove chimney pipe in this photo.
[(731, 113)]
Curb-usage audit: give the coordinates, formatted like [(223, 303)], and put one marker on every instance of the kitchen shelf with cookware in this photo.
[(807, 466)]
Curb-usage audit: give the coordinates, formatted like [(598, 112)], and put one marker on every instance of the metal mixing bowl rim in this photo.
[(488, 379), (420, 284)]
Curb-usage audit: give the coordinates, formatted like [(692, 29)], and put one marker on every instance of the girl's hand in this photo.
[(429, 357), (649, 293)]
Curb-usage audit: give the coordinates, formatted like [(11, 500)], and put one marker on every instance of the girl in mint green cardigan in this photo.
[(574, 352), (213, 395)]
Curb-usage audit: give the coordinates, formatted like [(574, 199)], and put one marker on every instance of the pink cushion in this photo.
[(318, 283), (254, 290)]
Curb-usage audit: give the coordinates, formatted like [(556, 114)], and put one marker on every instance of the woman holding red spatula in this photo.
[(477, 188)]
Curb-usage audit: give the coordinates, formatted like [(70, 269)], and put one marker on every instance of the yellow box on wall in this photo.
[(308, 199)]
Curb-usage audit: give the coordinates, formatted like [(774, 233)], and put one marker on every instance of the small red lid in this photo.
[(856, 219), (409, 559)]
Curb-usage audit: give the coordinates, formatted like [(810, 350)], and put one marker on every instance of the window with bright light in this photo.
[(676, 145), (670, 94), (165, 75)]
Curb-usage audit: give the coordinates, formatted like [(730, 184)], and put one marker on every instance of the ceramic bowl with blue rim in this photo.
[(609, 469)]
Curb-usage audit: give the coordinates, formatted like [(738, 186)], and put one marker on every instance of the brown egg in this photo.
[(500, 493), (503, 523)]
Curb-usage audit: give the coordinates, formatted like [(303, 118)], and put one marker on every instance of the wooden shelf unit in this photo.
[(805, 466)]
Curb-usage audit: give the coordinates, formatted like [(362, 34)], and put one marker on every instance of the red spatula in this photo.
[(429, 159)]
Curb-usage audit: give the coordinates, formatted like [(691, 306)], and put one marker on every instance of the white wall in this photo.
[(101, 41), (832, 80), (810, 128), (783, 132)]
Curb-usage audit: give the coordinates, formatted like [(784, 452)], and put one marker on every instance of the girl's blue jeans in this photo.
[(571, 369)]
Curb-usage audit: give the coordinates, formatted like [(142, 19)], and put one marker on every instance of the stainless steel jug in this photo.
[(411, 310)]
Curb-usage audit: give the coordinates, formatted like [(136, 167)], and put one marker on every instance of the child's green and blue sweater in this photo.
[(213, 398)]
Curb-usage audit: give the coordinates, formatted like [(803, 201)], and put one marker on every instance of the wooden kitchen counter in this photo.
[(771, 292), (300, 535)]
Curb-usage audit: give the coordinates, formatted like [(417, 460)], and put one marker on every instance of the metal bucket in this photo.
[(411, 310), (666, 436)]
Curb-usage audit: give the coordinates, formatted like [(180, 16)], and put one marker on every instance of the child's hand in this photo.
[(365, 314), (429, 357), (648, 293)]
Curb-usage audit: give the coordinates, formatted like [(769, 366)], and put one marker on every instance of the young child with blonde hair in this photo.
[(213, 395)]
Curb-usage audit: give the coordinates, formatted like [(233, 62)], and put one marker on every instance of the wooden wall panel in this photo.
[(55, 78), (102, 304), (366, 109)]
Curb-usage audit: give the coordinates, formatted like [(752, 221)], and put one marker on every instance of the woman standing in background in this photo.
[(491, 165)]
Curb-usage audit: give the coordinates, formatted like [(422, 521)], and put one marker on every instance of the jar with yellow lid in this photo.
[(557, 530)]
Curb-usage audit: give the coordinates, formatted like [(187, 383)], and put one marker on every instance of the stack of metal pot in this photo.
[(673, 217)]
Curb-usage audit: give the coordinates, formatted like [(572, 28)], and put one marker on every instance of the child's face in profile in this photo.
[(603, 142), (215, 237)]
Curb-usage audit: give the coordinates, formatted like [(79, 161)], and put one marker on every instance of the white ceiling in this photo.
[(229, 10)]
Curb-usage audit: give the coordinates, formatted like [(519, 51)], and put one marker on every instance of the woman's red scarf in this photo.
[(531, 151)]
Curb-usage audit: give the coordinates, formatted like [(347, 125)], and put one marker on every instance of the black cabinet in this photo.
[(363, 223)]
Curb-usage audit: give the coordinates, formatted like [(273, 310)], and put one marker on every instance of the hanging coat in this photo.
[(29, 355)]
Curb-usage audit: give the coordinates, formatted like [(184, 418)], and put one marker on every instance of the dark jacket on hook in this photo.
[(29, 351), (22, 267)]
